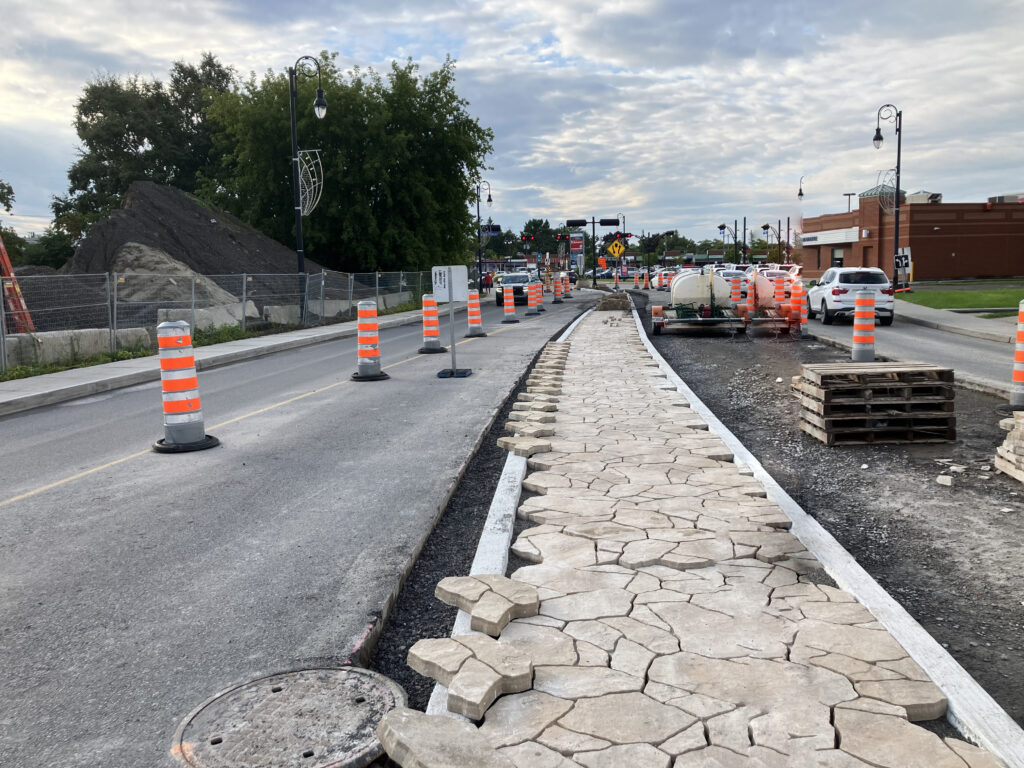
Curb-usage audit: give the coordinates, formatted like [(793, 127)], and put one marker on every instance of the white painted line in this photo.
[(971, 709)]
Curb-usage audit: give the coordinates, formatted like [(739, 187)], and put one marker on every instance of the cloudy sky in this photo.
[(676, 113)]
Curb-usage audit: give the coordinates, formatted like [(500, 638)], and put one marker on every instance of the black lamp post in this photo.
[(479, 240), (890, 113), (800, 192), (319, 109), (722, 228), (767, 228)]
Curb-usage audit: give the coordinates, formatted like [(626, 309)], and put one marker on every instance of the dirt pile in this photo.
[(203, 238)]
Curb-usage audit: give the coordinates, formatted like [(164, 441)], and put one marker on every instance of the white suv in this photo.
[(835, 294)]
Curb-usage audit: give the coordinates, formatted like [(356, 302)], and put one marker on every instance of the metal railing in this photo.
[(72, 311)]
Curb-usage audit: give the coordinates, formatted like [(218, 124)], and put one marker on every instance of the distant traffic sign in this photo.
[(616, 248)]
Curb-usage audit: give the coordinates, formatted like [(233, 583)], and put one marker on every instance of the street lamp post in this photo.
[(593, 236), (319, 109), (768, 228), (800, 192), (479, 239), (890, 113), (723, 228)]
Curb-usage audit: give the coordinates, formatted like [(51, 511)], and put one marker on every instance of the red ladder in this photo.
[(12, 292)]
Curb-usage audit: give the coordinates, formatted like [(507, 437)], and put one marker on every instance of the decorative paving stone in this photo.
[(415, 740), (975, 757), (625, 756), (439, 659), (545, 646), (491, 600), (685, 741), (719, 636), (557, 548), (589, 605), (597, 633), (921, 700), (514, 666), (578, 682), (525, 446), (865, 644), (622, 718), (569, 742), (473, 690), (650, 637), (631, 658), (891, 742), (530, 754), (521, 717)]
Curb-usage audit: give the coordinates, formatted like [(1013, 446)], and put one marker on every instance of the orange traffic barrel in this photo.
[(864, 327), (540, 298), (183, 413), (531, 299), (473, 316), (566, 287), (780, 290), (735, 292), (1017, 385), (647, 281), (616, 279), (431, 327), (368, 343), (558, 291), (509, 300), (636, 279), (796, 308)]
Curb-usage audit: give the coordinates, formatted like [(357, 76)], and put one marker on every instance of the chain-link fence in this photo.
[(70, 317)]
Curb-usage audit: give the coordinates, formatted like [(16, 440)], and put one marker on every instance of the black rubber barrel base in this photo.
[(160, 446)]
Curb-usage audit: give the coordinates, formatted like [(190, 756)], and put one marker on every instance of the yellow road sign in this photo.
[(616, 249)]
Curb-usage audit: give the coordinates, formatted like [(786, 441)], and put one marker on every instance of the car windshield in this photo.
[(863, 278), (731, 273), (518, 278)]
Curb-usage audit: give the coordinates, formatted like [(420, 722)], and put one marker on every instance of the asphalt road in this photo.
[(134, 585), (987, 363)]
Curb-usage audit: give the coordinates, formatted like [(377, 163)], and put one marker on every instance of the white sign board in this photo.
[(459, 288)]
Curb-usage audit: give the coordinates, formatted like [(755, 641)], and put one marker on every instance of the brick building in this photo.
[(946, 240)]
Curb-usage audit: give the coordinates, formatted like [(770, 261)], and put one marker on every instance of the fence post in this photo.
[(3, 331), (376, 289), (113, 281), (351, 290), (110, 324), (245, 297), (323, 306), (192, 324)]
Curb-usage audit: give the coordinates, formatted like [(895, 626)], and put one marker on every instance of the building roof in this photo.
[(879, 190)]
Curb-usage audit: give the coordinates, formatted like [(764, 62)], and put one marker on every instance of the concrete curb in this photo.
[(41, 390), (971, 709)]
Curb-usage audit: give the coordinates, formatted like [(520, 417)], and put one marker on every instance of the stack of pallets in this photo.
[(857, 403)]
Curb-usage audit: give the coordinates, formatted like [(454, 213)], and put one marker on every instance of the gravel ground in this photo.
[(949, 555)]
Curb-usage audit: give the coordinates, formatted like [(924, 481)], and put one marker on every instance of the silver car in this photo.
[(836, 293)]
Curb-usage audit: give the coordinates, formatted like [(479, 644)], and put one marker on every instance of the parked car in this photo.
[(729, 274), (835, 294), (515, 283)]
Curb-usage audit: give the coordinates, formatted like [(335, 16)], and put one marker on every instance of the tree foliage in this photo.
[(400, 154), (133, 129)]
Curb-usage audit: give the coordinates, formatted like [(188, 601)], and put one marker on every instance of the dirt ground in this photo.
[(950, 555)]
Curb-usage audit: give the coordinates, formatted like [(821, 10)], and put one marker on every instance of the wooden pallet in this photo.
[(851, 422), (884, 390), (871, 437), (878, 407), (860, 375)]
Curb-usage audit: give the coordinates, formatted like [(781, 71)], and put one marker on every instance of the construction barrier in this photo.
[(531, 300), (431, 327), (368, 343), (540, 299), (616, 279), (510, 306), (864, 327), (647, 281), (473, 316), (183, 413), (636, 279), (567, 287), (736, 292), (780, 290), (796, 308), (1017, 385), (558, 292), (751, 299)]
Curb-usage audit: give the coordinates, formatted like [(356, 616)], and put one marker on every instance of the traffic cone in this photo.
[(183, 413)]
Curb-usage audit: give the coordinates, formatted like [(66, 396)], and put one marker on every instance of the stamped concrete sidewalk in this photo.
[(670, 618)]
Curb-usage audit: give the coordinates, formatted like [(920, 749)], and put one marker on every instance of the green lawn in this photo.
[(966, 298)]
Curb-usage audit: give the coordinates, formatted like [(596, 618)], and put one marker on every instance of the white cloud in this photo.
[(679, 114)]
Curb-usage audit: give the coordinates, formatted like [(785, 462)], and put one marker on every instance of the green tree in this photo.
[(133, 129), (14, 243), (401, 157)]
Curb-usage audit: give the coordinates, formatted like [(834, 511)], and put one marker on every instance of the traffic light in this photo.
[(561, 237), (528, 238)]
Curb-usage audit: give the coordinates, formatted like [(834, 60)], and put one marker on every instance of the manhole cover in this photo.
[(314, 718)]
